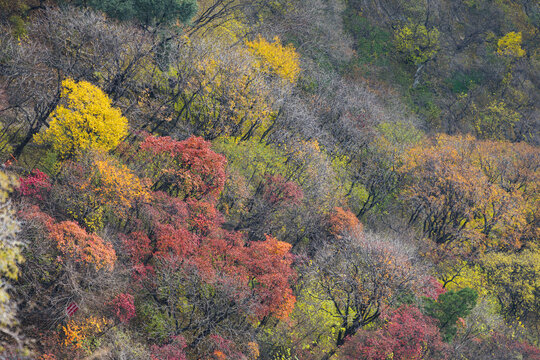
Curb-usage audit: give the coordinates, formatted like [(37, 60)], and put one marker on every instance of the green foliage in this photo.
[(373, 43), (424, 103), (252, 158), (148, 12), (399, 134), (461, 82), (449, 307), (156, 324)]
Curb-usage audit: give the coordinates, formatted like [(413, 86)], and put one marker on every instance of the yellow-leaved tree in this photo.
[(276, 58), (86, 120), (510, 45), (417, 43)]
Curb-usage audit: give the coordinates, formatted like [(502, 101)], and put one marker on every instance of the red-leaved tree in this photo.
[(186, 169), (407, 334)]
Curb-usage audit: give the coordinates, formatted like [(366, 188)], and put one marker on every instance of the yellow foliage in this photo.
[(468, 276), (97, 185), (117, 187), (510, 45), (416, 42), (86, 121), (253, 351), (497, 122), (514, 278), (228, 97), (476, 191), (276, 58)]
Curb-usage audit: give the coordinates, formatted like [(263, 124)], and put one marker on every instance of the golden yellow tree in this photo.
[(510, 45), (276, 58), (86, 120)]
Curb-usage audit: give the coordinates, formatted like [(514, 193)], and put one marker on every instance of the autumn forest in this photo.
[(270, 179)]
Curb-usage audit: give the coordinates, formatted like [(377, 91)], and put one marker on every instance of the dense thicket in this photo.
[(239, 179)]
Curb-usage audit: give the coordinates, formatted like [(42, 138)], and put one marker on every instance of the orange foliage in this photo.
[(78, 334), (480, 193), (344, 221), (74, 241), (219, 355), (269, 265), (47, 357)]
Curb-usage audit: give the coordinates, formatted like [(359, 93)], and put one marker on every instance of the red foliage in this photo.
[(279, 192), (222, 348), (263, 269), (500, 347), (138, 247), (34, 215), (220, 252), (173, 243), (189, 168), (191, 232), (434, 288), (124, 307), (408, 334), (204, 218), (35, 185), (172, 351)]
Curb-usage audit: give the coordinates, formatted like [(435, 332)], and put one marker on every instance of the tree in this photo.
[(456, 190), (361, 277), (67, 42), (514, 279), (227, 94), (497, 121), (173, 350), (417, 43), (87, 121), (449, 307), (83, 334), (35, 185), (148, 12), (10, 256), (124, 307), (343, 222), (510, 45), (97, 187), (186, 169), (406, 334), (499, 346), (73, 266), (74, 242), (276, 58)]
